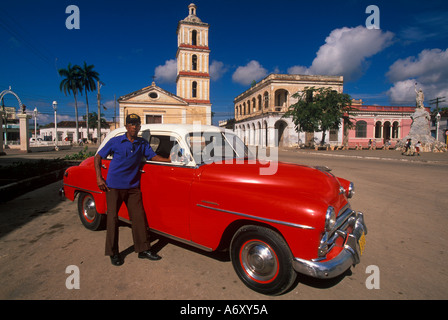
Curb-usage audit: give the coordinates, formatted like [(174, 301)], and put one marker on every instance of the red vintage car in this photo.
[(276, 219)]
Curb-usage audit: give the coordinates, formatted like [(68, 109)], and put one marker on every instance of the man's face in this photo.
[(133, 129)]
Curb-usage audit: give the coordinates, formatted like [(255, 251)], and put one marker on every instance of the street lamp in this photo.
[(35, 124), (437, 125), (55, 108)]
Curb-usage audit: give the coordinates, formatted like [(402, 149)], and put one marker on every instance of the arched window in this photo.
[(378, 129), (194, 38), (361, 129), (395, 130), (266, 99), (194, 62), (194, 90)]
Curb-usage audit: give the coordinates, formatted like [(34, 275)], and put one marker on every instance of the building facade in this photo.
[(379, 126), (259, 111), (191, 103), (66, 132), (259, 117)]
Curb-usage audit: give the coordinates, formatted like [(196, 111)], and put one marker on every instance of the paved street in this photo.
[(402, 197)]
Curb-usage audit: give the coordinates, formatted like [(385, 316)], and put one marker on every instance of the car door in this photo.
[(166, 189)]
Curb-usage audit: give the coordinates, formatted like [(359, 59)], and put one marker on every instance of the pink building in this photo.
[(379, 124)]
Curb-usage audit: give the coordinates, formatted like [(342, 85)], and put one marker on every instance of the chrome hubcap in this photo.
[(89, 208), (259, 261)]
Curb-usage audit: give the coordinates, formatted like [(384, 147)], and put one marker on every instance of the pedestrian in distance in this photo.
[(417, 147)]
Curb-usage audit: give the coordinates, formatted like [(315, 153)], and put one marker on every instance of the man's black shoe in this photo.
[(116, 260), (149, 255)]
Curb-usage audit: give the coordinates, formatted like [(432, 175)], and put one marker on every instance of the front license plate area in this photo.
[(362, 243)]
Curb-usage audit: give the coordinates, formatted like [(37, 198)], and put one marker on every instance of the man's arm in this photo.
[(99, 177), (160, 158)]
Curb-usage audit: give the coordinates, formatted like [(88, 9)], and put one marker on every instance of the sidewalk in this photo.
[(425, 157), (14, 155)]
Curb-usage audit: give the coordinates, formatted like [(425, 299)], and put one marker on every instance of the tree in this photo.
[(88, 82), (71, 84), (93, 119), (320, 109)]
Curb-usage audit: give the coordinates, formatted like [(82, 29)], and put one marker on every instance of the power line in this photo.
[(436, 101)]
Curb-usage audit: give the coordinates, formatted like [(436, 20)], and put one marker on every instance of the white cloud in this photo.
[(167, 72), (250, 72), (217, 69), (345, 52), (429, 70)]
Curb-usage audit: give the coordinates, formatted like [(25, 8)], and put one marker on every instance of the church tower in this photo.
[(193, 77)]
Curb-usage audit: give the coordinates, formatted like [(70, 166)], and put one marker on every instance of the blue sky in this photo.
[(130, 41)]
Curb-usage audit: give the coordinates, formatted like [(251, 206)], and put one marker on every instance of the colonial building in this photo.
[(377, 126), (259, 117), (191, 103), (259, 111)]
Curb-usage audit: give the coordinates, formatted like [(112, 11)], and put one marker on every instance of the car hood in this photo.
[(289, 181)]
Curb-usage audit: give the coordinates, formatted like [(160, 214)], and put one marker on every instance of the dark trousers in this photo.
[(133, 200)]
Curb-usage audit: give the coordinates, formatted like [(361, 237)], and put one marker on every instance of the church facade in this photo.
[(191, 103)]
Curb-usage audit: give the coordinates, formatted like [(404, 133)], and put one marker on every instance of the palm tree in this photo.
[(88, 81), (71, 84)]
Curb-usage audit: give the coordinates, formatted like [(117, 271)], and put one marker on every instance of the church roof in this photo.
[(147, 91)]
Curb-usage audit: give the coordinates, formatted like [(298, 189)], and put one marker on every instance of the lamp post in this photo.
[(35, 124), (55, 108), (437, 125)]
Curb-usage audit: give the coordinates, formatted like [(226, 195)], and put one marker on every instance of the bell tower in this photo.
[(193, 77)]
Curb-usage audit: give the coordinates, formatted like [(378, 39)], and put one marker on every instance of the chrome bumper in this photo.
[(349, 256)]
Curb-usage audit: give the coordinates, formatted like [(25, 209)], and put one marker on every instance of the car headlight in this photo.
[(351, 190), (330, 219)]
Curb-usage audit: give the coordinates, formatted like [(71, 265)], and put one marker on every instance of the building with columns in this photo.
[(259, 111), (379, 125), (191, 103), (259, 117)]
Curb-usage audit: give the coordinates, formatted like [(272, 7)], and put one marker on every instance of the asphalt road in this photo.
[(404, 201)]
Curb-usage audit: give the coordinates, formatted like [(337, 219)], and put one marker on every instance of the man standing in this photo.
[(123, 185)]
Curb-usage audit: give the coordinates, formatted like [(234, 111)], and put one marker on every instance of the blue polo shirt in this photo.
[(127, 156)]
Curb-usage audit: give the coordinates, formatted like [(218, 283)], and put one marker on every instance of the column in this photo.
[(24, 137), (1, 133)]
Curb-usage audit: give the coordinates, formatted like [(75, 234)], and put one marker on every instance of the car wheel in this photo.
[(90, 218), (262, 260)]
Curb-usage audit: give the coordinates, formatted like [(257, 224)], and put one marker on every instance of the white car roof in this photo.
[(180, 129)]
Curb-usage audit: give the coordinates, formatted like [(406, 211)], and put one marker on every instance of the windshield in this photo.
[(207, 147)]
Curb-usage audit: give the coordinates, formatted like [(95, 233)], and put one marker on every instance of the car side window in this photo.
[(162, 145), (166, 146)]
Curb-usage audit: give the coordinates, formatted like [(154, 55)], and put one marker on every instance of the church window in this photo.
[(194, 89), (153, 95), (153, 119), (194, 38), (194, 62)]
